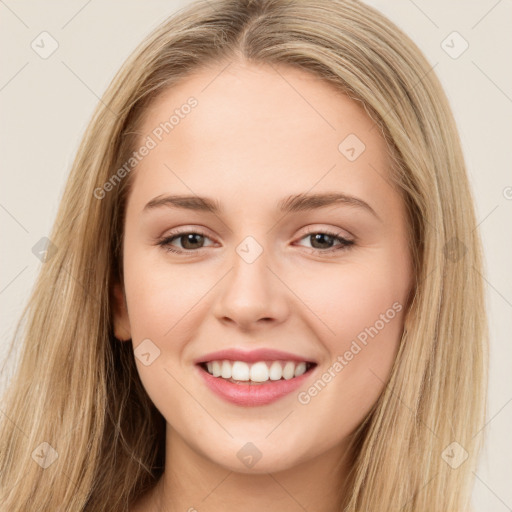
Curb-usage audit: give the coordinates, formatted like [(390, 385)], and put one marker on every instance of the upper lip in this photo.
[(251, 356)]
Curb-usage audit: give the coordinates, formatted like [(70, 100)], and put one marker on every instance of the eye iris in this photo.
[(320, 237), (191, 237)]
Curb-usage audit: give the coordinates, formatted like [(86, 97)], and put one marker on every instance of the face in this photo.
[(324, 281)]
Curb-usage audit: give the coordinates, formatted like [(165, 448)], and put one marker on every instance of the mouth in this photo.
[(256, 373)]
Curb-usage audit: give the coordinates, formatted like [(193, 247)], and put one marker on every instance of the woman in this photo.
[(255, 370)]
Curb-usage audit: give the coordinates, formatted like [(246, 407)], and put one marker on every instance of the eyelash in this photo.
[(344, 243)]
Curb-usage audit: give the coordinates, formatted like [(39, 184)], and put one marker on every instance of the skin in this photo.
[(252, 140)]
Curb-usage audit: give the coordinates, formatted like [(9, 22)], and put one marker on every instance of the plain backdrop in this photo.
[(47, 102)]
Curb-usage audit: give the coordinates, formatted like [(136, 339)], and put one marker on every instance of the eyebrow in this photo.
[(294, 203)]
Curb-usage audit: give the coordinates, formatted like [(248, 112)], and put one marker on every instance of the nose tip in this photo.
[(251, 295)]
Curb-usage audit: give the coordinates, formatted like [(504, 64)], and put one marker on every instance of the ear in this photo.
[(122, 330)]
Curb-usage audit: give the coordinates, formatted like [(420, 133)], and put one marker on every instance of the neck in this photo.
[(192, 482)]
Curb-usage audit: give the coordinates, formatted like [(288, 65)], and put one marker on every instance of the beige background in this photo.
[(46, 104)]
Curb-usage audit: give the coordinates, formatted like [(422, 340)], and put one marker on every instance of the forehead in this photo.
[(260, 128)]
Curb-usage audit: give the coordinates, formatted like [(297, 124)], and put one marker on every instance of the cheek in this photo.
[(360, 317), (160, 296), (353, 298), (363, 304), (161, 303)]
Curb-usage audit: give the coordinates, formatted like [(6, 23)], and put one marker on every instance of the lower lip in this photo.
[(250, 395)]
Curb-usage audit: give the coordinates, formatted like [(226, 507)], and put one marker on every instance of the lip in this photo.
[(252, 356), (251, 395)]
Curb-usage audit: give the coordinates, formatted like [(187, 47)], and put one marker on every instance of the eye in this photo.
[(191, 241), (322, 241)]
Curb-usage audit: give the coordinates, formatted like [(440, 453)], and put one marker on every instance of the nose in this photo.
[(251, 296)]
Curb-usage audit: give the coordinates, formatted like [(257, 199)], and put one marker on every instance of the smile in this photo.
[(256, 384), (257, 372)]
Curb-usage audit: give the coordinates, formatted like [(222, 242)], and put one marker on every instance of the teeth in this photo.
[(276, 371), (300, 369), (225, 370), (239, 370), (260, 371), (288, 370), (216, 370)]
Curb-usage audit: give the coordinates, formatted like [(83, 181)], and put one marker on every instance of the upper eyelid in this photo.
[(184, 232), (314, 229), (335, 231), (311, 230)]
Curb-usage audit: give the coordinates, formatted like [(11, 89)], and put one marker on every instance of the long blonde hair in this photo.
[(78, 430)]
